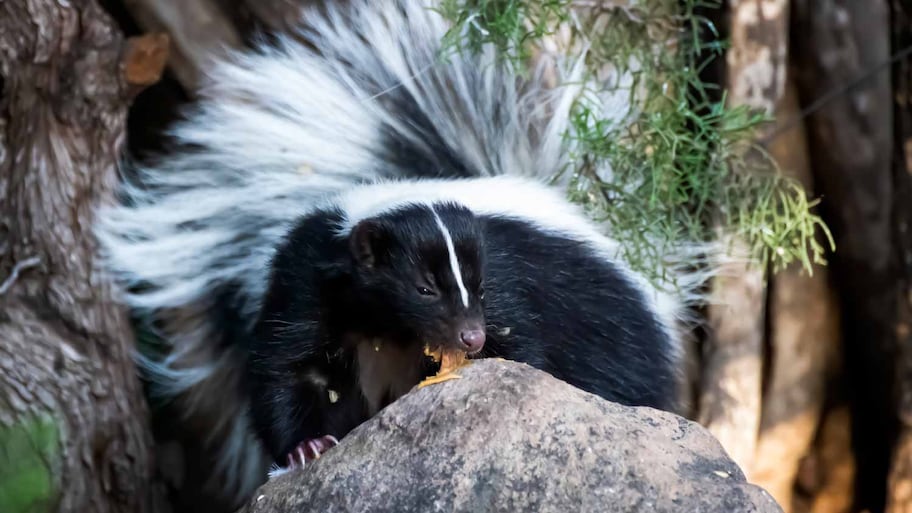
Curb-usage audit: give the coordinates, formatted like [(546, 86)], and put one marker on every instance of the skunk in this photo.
[(361, 285), (341, 197)]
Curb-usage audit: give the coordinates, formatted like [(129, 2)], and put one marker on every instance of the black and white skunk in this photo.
[(344, 197)]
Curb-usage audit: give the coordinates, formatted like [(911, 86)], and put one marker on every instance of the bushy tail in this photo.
[(362, 93)]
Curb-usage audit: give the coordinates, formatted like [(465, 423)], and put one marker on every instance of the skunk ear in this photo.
[(366, 243)]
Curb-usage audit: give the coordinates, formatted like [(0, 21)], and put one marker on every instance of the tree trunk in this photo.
[(835, 464), (803, 332), (899, 494), (73, 422), (730, 395), (850, 138), (732, 379)]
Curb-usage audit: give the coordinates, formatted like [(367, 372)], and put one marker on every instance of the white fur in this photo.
[(286, 129), (532, 201), (276, 470), (454, 261)]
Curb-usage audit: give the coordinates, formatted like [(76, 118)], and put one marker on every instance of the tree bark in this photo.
[(803, 333), (730, 402), (850, 138), (732, 369), (73, 422), (899, 493)]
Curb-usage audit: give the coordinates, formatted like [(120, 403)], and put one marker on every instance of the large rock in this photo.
[(509, 438)]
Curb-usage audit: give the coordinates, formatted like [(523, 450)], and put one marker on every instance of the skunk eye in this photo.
[(481, 292), (424, 291)]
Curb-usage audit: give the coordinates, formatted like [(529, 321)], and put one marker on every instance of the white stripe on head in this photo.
[(454, 262)]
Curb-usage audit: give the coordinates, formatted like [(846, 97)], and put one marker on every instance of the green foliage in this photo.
[(681, 161), (28, 453), (508, 24)]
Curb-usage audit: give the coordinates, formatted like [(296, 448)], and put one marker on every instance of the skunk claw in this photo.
[(313, 449), (299, 457), (310, 450)]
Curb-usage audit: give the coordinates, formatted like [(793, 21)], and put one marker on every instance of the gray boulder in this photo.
[(509, 438)]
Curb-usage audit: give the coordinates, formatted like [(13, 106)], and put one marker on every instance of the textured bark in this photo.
[(198, 28), (899, 494), (851, 145), (65, 360), (757, 58), (730, 402), (803, 332)]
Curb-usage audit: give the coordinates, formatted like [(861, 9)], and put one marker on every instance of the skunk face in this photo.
[(419, 273)]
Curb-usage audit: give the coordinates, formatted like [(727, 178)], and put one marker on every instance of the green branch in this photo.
[(680, 160)]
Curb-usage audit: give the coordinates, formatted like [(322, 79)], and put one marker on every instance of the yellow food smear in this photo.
[(435, 355), (450, 360)]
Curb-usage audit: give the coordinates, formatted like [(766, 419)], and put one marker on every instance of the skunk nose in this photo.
[(473, 340)]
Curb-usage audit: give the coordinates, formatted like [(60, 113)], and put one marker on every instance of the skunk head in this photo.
[(418, 273)]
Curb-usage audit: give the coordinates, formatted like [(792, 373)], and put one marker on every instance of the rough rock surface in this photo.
[(508, 438)]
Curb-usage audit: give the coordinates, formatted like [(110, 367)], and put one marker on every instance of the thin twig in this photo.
[(17, 269)]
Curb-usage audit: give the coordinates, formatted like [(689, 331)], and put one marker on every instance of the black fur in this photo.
[(547, 300), (329, 293), (574, 315)]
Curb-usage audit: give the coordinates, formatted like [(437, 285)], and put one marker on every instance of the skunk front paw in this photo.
[(310, 450)]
